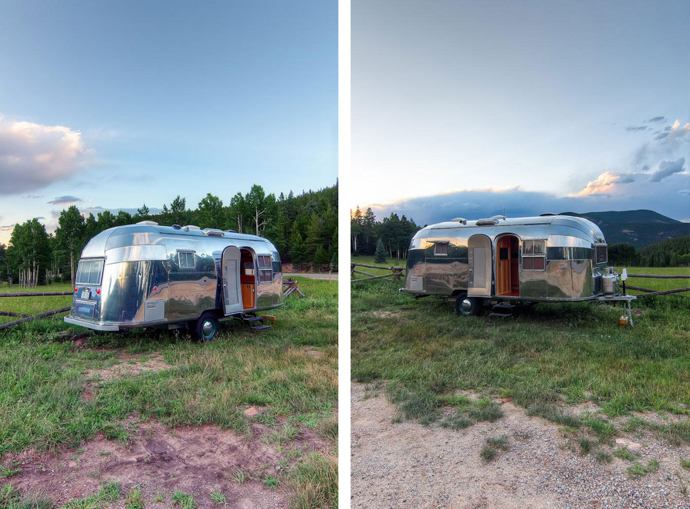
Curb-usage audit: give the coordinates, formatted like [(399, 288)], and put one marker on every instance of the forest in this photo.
[(303, 227), (673, 252), (394, 233)]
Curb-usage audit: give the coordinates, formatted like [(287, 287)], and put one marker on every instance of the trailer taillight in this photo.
[(76, 289), (98, 291)]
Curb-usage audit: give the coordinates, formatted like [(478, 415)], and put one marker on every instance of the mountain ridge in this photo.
[(640, 227)]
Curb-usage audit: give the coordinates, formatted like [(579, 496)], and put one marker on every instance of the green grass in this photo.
[(42, 379), (33, 305), (109, 492), (625, 454), (369, 260), (659, 284), (493, 446), (637, 470), (316, 481), (183, 500), (546, 359)]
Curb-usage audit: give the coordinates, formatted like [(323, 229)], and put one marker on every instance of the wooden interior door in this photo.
[(503, 263), (507, 266), (248, 278)]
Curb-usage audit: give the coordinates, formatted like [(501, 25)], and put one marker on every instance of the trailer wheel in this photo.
[(206, 327), (467, 306)]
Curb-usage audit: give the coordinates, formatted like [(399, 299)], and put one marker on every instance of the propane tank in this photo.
[(607, 283)]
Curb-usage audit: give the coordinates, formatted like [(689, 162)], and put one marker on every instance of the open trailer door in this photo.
[(480, 264), (232, 294)]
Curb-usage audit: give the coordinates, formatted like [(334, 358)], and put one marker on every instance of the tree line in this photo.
[(392, 233), (673, 252), (303, 227)]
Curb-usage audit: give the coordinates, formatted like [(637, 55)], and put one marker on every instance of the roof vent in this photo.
[(547, 214), (231, 231), (176, 226), (490, 221), (191, 227), (148, 223), (213, 232), (460, 220)]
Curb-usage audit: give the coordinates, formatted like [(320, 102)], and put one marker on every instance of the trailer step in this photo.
[(500, 315), (252, 318), (502, 310), (259, 328)]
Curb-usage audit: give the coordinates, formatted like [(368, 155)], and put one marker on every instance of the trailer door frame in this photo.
[(480, 261), (230, 274)]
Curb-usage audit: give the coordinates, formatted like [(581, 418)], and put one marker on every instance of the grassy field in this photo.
[(290, 372), (547, 359), (33, 305)]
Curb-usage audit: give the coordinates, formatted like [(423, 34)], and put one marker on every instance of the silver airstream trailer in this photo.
[(146, 275), (527, 259)]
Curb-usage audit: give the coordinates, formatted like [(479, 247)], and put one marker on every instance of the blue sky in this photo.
[(120, 103), (582, 105)]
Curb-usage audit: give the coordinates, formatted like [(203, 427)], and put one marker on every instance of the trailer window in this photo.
[(441, 249), (534, 255), (601, 254), (265, 268), (89, 272), (185, 259)]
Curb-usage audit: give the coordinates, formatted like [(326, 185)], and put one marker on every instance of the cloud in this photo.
[(605, 184), (636, 128), (684, 192), (657, 119), (64, 200), (33, 155), (474, 204), (668, 168)]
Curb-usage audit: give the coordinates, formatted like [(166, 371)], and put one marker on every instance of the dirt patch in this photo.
[(313, 352), (410, 465), (195, 460), (129, 365), (386, 314)]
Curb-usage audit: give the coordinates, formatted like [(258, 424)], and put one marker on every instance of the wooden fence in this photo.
[(648, 292), (395, 273), (23, 318)]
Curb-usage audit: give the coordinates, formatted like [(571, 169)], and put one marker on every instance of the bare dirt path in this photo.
[(195, 460), (410, 465)]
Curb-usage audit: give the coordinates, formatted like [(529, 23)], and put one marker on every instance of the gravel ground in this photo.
[(410, 465)]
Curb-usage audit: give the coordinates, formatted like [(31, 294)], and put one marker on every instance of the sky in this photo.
[(477, 108), (110, 105)]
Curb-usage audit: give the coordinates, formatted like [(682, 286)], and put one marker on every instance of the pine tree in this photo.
[(380, 254)]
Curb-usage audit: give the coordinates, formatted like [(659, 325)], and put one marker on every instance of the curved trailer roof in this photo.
[(147, 233), (582, 225)]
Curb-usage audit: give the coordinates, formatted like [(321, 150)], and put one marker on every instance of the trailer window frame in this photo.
[(597, 250), (90, 280), (186, 253), (445, 244), (536, 258), (265, 266)]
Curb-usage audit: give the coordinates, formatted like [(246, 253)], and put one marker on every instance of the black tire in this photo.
[(467, 306), (206, 328)]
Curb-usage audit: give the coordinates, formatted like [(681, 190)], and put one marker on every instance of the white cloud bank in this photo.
[(33, 155)]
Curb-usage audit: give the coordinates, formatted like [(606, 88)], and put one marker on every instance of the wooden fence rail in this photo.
[(23, 318), (396, 273), (35, 294), (661, 276)]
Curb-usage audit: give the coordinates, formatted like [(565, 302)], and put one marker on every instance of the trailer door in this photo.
[(232, 295), (480, 262)]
